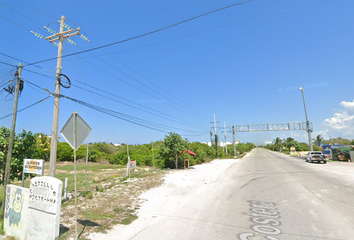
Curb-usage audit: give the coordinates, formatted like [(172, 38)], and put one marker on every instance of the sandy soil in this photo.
[(159, 201)]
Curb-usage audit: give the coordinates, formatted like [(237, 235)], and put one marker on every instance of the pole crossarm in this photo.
[(273, 127)]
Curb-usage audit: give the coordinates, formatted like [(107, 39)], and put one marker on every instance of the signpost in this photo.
[(75, 131)]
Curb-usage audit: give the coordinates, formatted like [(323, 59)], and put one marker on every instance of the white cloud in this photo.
[(349, 106), (342, 122)]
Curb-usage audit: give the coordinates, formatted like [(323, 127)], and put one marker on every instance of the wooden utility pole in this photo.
[(11, 141), (54, 141)]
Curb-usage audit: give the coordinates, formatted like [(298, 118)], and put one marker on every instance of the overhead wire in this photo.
[(8, 64), (15, 23), (170, 26), (153, 112), (77, 65), (21, 14), (125, 117), (22, 109), (25, 69), (194, 112), (112, 112), (41, 10), (148, 33), (163, 115), (115, 76), (188, 105)]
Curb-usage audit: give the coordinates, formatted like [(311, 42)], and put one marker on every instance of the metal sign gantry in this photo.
[(272, 127)]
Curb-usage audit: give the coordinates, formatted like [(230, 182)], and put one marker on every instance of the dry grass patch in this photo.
[(112, 201)]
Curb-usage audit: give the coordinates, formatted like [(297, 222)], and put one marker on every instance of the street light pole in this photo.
[(308, 128)]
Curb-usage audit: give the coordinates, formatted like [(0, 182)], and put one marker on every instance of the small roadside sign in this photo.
[(133, 164), (33, 166)]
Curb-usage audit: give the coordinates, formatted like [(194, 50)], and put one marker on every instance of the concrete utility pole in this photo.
[(211, 138), (233, 139), (54, 141), (225, 137), (153, 158), (216, 138), (12, 135), (308, 128)]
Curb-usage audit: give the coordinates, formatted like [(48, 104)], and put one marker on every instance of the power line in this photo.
[(21, 14), (148, 33), (113, 113), (41, 10), (9, 115), (17, 59), (194, 112), (132, 102), (123, 116), (15, 23), (7, 64), (155, 111), (150, 112), (113, 75)]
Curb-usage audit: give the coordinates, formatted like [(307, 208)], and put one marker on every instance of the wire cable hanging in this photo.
[(9, 115), (148, 33)]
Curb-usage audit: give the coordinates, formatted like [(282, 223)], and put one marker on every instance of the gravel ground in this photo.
[(159, 201)]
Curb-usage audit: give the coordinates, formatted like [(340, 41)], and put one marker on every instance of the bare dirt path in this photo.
[(163, 202)]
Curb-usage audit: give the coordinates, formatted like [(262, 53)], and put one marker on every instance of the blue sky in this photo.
[(243, 64)]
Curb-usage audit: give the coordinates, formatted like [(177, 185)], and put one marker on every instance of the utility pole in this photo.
[(211, 138), (233, 138), (128, 164), (153, 158), (308, 128), (60, 38), (11, 141), (216, 138), (225, 137)]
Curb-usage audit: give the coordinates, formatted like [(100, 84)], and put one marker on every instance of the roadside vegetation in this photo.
[(285, 144), (109, 198)]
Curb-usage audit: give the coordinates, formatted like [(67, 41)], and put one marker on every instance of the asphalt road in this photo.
[(266, 195)]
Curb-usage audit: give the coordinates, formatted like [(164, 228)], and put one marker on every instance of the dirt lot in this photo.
[(110, 199)]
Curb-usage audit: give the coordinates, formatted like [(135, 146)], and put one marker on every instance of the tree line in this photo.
[(285, 144), (162, 154)]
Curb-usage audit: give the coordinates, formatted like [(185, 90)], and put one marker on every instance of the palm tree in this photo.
[(318, 140), (277, 142)]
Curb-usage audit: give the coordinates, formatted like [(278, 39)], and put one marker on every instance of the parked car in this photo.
[(316, 156)]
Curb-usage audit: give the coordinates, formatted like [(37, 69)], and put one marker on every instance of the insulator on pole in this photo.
[(37, 34), (70, 41), (84, 38), (66, 26), (51, 31)]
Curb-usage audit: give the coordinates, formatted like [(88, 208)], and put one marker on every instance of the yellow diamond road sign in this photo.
[(75, 131)]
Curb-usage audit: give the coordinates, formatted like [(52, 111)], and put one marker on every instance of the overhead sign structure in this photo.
[(79, 132), (272, 127)]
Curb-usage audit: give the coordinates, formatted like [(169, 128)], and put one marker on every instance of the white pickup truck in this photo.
[(316, 156)]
